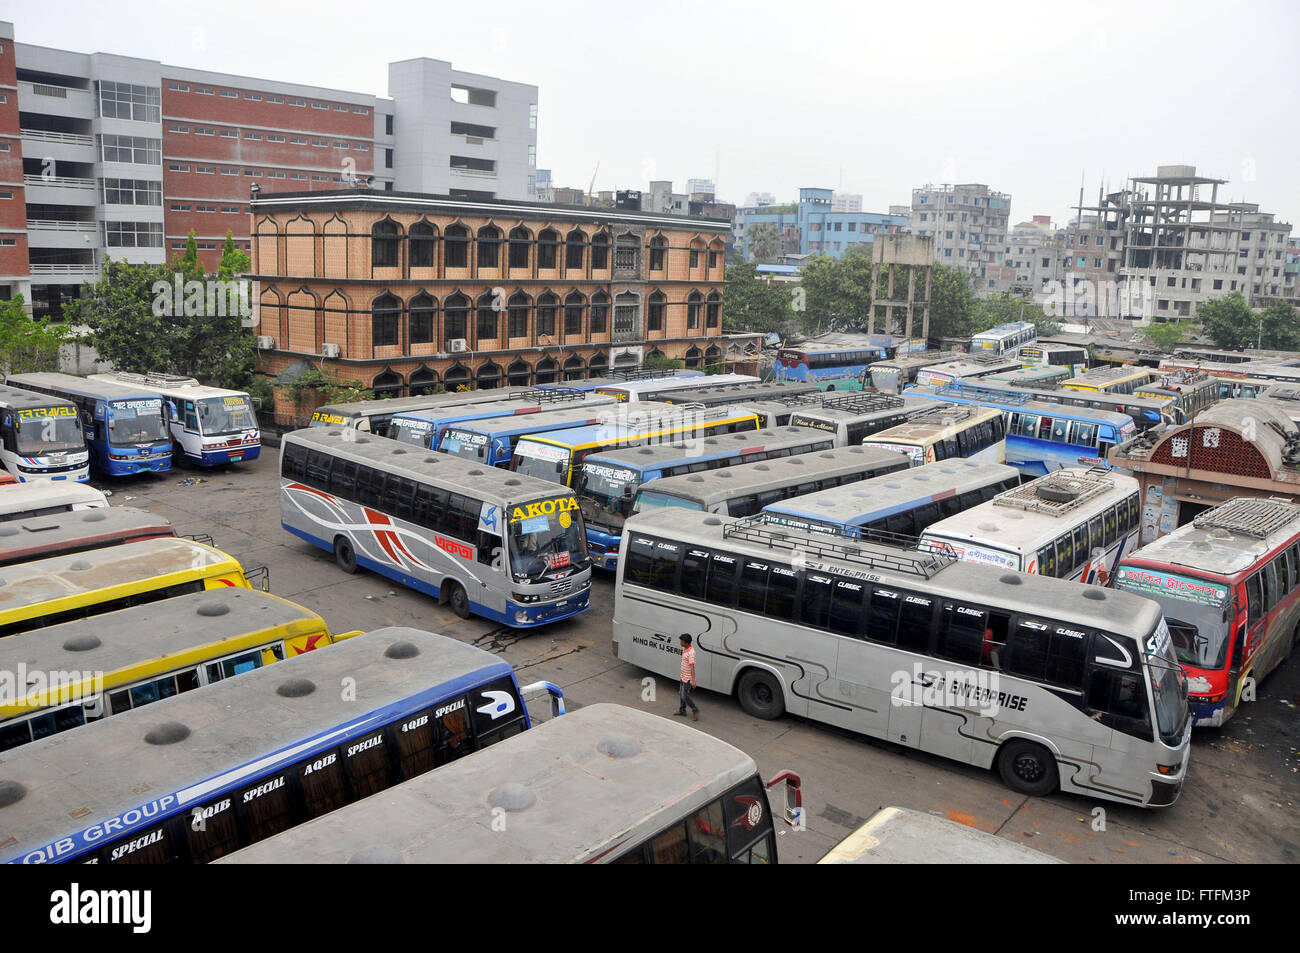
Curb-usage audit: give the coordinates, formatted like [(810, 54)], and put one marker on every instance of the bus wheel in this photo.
[(760, 695), (344, 555), (1028, 768), (457, 599)]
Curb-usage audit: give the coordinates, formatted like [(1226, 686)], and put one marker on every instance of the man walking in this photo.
[(687, 686)]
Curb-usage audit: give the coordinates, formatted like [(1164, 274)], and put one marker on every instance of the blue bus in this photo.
[(1145, 412), (204, 773), (492, 441), (424, 428), (839, 366), (610, 480), (125, 429), (1043, 436)]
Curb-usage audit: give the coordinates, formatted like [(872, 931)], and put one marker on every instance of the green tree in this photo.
[(1165, 337), (1279, 327), (836, 293), (1229, 322), (763, 241), (234, 260), (750, 303), (28, 344), (1006, 308), (951, 303), (658, 362), (118, 310)]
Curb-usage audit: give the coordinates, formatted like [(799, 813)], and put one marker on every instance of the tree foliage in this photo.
[(1229, 322), (1165, 337), (751, 303), (1280, 327), (28, 344), (1007, 308), (763, 242)]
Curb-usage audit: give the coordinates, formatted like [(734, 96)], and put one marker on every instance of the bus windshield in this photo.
[(136, 421), (649, 501), (545, 542), (611, 489), (465, 443), (411, 431), (1197, 611), (223, 415), (40, 434), (542, 460), (1168, 685)]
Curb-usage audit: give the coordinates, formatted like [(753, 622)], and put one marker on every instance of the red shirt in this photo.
[(688, 664)]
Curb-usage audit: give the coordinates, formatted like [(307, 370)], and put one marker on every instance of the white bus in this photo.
[(1004, 338), (896, 835), (209, 425), (1051, 683), (853, 417), (947, 432), (658, 388), (974, 365), (1048, 354), (41, 438), (1072, 523), (482, 540), (602, 785), (26, 500)]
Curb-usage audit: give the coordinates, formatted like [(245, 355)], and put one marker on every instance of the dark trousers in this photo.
[(685, 691)]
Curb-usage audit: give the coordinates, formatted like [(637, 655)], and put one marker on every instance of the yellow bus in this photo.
[(947, 432), (47, 592), (73, 673), (1111, 380)]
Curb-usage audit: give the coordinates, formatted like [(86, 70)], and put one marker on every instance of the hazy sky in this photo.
[(1031, 98)]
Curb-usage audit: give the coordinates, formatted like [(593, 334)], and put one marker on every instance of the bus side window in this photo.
[(882, 616), (753, 585), (318, 469), (816, 604), (1268, 574), (1047, 560), (721, 587), (914, 620), (663, 566), (782, 594), (324, 787), (1254, 596), (743, 506), (1118, 698), (695, 565), (369, 485), (1095, 533), (1111, 521), (639, 558), (191, 418), (961, 634), (846, 608)]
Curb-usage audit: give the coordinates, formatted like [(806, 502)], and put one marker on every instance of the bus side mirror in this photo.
[(793, 796), (628, 493)]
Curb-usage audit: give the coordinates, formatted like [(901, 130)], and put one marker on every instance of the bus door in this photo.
[(491, 557)]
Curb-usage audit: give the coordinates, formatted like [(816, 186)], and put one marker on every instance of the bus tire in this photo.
[(345, 555), (457, 598), (1028, 768), (760, 694)]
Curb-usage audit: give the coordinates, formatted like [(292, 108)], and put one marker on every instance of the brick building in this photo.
[(13, 203), (405, 292)]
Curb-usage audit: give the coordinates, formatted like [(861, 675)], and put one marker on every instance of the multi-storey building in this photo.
[(406, 292), (812, 227), (1261, 255), (1034, 256), (123, 156), (969, 226)]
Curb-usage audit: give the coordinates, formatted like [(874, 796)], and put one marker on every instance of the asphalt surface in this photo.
[(1239, 804)]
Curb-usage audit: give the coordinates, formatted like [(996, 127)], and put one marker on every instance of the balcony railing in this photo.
[(480, 173), (62, 181), (51, 224), (40, 135), (87, 271)]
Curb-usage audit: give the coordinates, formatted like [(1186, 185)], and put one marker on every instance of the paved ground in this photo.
[(1239, 804)]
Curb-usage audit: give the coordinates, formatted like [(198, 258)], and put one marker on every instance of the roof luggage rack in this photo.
[(860, 403), (900, 554), (1250, 516), (959, 389), (1057, 492)]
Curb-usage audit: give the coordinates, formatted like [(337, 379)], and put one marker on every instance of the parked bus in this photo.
[(373, 416), (137, 656), (745, 489), (492, 441), (649, 791), (621, 376), (976, 365), (25, 500), (1004, 338), (1229, 585), (947, 432), (480, 540), (851, 418), (40, 537), (777, 413), (1189, 392), (892, 376), (557, 457), (1072, 524), (834, 366), (209, 425), (200, 775), (424, 428), (897, 835), (739, 394), (1285, 397), (49, 591), (1071, 358), (898, 504), (608, 485), (1031, 377), (40, 438), (658, 389), (1144, 412), (1051, 683), (124, 428), (1127, 379)]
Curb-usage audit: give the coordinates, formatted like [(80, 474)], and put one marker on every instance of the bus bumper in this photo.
[(1165, 788), (1206, 714), (603, 549), (524, 616), (213, 458)]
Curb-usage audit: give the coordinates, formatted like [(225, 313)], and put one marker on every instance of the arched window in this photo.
[(456, 378), (488, 323), (693, 357), (489, 376), (575, 369), (627, 253), (547, 244), (517, 315), (599, 313), (423, 381), (713, 311), (546, 371), (598, 366), (456, 250), (520, 239), (627, 315), (424, 242), (627, 357), (385, 319), (387, 384), (600, 250), (547, 304), (518, 374), (573, 303), (455, 320), (657, 354), (574, 244), (712, 355), (385, 244), (489, 246), (655, 316), (422, 310), (697, 247), (693, 302), (658, 253)]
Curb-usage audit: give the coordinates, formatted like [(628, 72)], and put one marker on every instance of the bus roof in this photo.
[(25, 498), (167, 385), (531, 423), (1108, 375), (704, 448), (740, 393), (1229, 538), (868, 500), (1035, 595), (169, 628), (975, 365), (82, 386), (16, 398), (486, 409), (630, 426), (78, 530), (461, 476), (713, 486), (934, 421), (859, 406), (655, 385), (897, 835), (1027, 375), (1034, 400), (388, 406), (918, 359), (576, 788), (1005, 330), (104, 769)]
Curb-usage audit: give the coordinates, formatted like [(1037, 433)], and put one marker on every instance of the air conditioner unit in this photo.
[(265, 342), (457, 345), (329, 350)]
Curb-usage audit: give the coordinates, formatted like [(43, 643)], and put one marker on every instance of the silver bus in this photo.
[(744, 490), (374, 415), (604, 784), (974, 365), (739, 394), (897, 835), (504, 546), (1053, 684), (892, 376), (851, 418)]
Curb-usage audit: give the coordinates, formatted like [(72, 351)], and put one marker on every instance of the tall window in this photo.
[(655, 317), (126, 101), (713, 311), (599, 313), (627, 253), (600, 250), (385, 317), (517, 315), (519, 241), (456, 246), (423, 237), (422, 315), (548, 241), (693, 310), (658, 253), (546, 308), (455, 319), (573, 314), (573, 248), (488, 316), (385, 244), (489, 246)]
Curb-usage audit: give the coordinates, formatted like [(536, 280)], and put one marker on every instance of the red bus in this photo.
[(1229, 585), (76, 531)]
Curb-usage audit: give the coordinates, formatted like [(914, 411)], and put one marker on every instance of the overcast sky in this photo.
[(1032, 99)]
